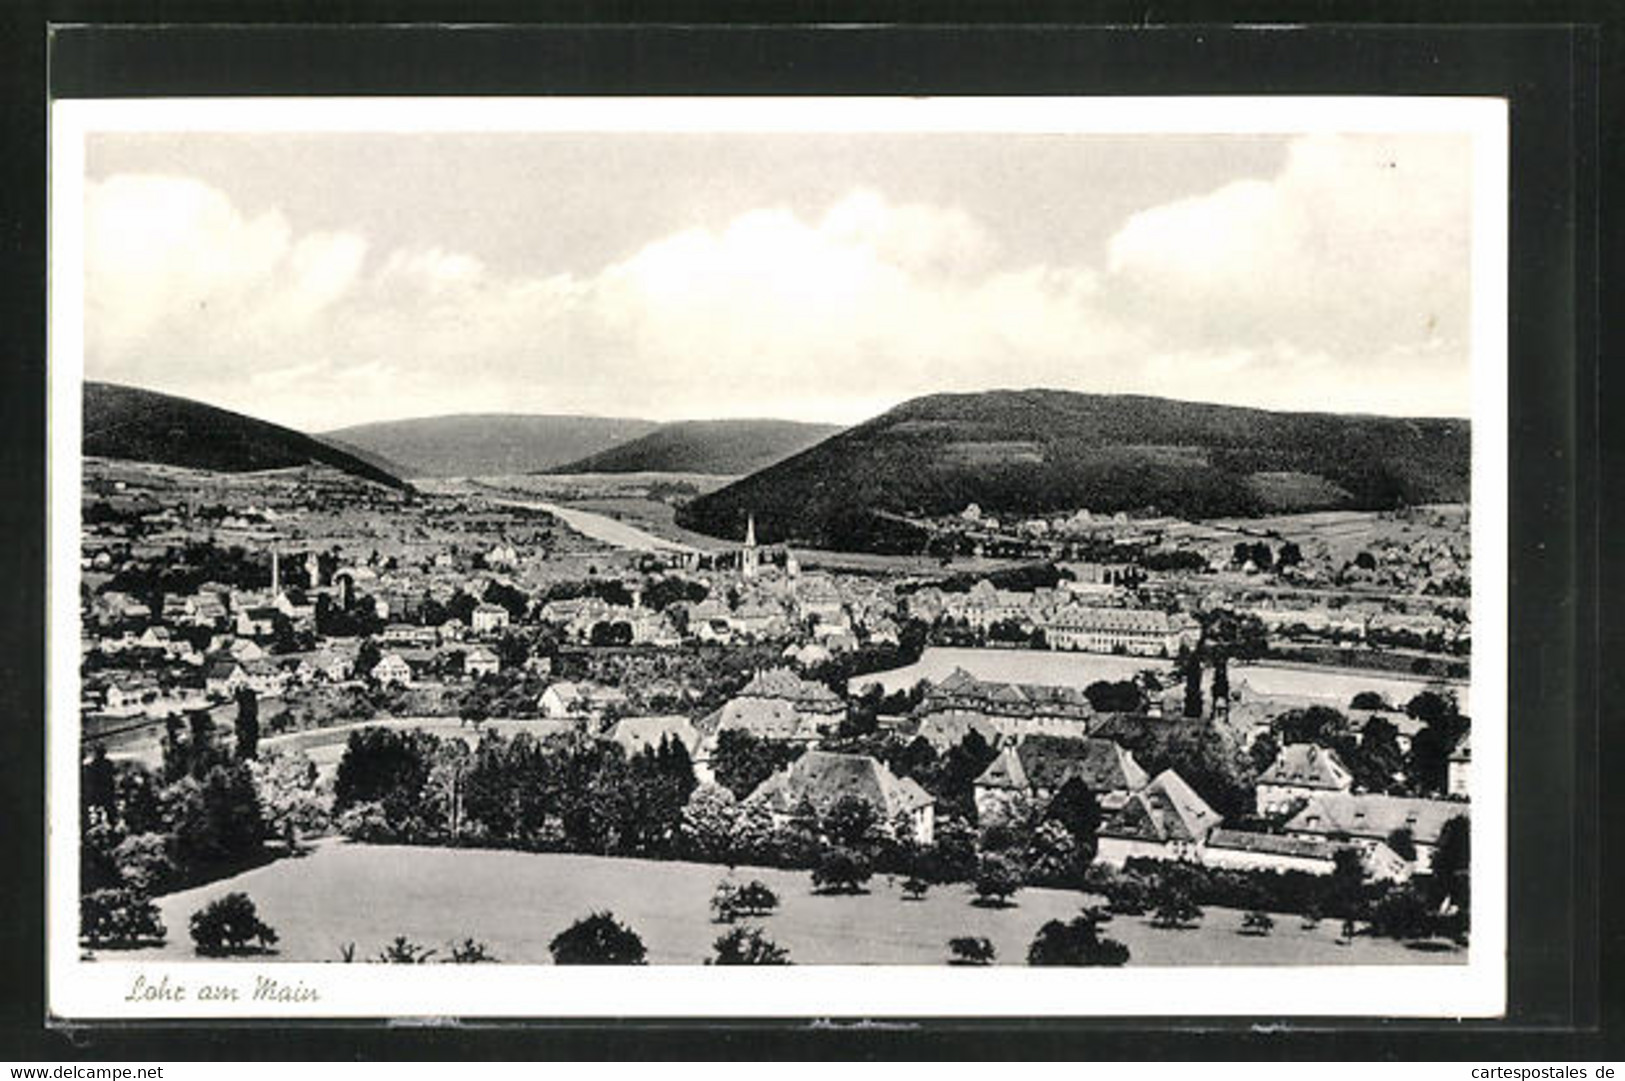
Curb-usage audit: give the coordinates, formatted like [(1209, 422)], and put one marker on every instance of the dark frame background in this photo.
[(1560, 1003)]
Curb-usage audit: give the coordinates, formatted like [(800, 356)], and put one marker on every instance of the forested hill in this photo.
[(145, 426), (1045, 451), (491, 444), (716, 447)]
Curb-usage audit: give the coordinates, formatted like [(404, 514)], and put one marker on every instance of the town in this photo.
[(1268, 715)]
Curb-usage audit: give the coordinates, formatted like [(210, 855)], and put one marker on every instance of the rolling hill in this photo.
[(1043, 451), (488, 444), (145, 426), (717, 447)]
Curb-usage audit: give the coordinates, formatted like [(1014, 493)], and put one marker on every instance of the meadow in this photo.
[(341, 893)]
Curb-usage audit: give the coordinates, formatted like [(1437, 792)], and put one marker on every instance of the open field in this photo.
[(516, 902), (1047, 668)]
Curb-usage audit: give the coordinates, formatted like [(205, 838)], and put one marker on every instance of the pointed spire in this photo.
[(750, 531)]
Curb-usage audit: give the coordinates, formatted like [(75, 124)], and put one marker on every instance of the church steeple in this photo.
[(748, 556)]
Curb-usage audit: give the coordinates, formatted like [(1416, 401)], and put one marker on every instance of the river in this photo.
[(601, 527)]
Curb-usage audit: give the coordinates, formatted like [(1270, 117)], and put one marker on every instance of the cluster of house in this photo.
[(1094, 615), (1043, 738)]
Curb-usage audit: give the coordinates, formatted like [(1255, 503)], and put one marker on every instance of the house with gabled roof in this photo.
[(1300, 770), (1367, 819), (638, 734), (223, 676), (1239, 850), (571, 699), (391, 668), (820, 779), (1037, 768), (765, 718), (1165, 820), (480, 662)]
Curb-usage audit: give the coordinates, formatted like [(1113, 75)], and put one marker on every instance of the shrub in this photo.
[(120, 917), (1402, 913), (915, 887), (997, 879), (840, 871), (366, 822), (754, 898), (469, 952), (143, 861), (403, 951), (1128, 896), (1076, 942), (227, 925), (971, 950), (748, 946), (598, 939), (1257, 922)]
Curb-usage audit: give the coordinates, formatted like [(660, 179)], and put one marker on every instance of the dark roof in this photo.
[(1167, 809), (822, 778), (1048, 762)]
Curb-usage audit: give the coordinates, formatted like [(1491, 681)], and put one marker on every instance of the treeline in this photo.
[(208, 811)]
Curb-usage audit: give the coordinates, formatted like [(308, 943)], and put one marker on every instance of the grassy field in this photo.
[(1044, 667), (342, 893)]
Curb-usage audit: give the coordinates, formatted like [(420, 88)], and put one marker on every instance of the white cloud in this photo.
[(1348, 266), (1360, 246)]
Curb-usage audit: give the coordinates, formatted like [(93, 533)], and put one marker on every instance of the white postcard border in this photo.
[(83, 990)]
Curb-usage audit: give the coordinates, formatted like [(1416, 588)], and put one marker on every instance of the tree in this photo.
[(997, 880), (709, 823), (841, 871), (915, 887), (1449, 872), (1075, 807), (1378, 757), (217, 820), (598, 939), (851, 822), (227, 925), (1402, 912), (1320, 725), (1369, 700), (971, 950), (248, 723), (748, 946), (119, 917), (379, 763), (1257, 922), (1075, 942), (731, 901), (286, 784), (1124, 696), (144, 862), (740, 761), (1175, 905), (1264, 751), (1403, 844), (1128, 895)]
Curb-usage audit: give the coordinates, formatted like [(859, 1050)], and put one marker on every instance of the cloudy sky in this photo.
[(326, 280)]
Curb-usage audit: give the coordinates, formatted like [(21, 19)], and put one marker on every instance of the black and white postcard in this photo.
[(778, 557)]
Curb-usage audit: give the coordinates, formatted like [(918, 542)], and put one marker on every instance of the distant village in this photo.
[(1279, 696)]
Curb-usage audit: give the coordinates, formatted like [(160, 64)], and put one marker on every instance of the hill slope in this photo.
[(145, 426), (716, 447), (1041, 451), (473, 445)]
